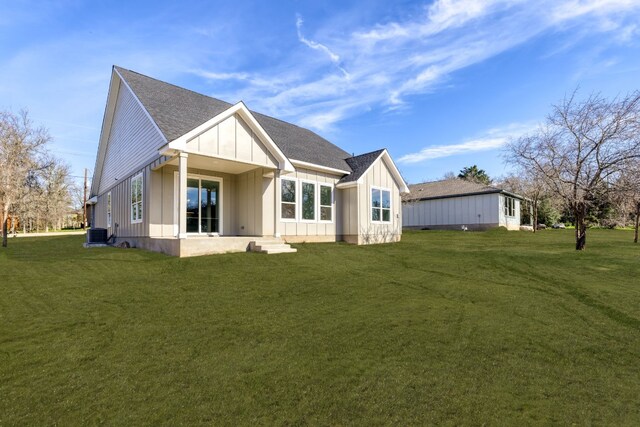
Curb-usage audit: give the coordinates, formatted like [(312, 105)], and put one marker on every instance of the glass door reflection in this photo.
[(203, 206)]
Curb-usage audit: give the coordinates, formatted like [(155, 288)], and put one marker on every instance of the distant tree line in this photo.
[(36, 190)]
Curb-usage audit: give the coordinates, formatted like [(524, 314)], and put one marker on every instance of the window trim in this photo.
[(109, 209), (220, 182), (381, 189), (509, 200), (315, 201), (330, 205), (141, 201), (294, 203)]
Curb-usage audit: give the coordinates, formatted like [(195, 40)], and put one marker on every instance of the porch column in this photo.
[(182, 195), (278, 210)]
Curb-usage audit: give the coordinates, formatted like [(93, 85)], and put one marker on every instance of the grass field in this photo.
[(451, 328)]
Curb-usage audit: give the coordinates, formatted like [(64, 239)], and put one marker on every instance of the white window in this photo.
[(136, 199), (380, 205), (288, 199), (308, 203), (109, 209), (509, 206), (326, 203)]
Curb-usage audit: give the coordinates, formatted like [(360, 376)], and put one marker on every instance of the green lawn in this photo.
[(443, 328)]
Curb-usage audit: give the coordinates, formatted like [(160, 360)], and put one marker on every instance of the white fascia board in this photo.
[(107, 119), (155, 125), (347, 184), (93, 200), (393, 169), (115, 86), (180, 143), (404, 188), (313, 166)]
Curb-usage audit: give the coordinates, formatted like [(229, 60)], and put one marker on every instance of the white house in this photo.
[(457, 204), (186, 174)]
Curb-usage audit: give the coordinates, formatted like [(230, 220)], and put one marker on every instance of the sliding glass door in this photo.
[(203, 206)]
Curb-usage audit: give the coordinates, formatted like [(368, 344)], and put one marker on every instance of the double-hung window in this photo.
[(308, 202), (326, 203), (136, 199), (288, 199), (380, 205), (109, 209)]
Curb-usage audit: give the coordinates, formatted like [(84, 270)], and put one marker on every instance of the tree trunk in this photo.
[(535, 216), (635, 236), (581, 228), (4, 231)]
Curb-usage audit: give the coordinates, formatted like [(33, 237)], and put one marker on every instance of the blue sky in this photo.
[(442, 84)]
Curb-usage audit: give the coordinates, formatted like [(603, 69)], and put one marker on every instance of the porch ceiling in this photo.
[(215, 164)]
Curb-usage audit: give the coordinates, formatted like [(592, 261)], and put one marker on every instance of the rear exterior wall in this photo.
[(300, 230)]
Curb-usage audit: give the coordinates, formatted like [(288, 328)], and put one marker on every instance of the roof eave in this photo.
[(317, 167)]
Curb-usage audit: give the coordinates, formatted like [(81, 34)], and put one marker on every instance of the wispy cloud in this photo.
[(492, 139), (384, 65), (319, 46)]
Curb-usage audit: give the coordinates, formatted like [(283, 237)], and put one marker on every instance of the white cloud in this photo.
[(221, 76), (389, 62), (492, 139), (319, 46)]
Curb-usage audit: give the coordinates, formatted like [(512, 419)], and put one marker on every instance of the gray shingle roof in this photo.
[(359, 165), (176, 111), (450, 188)]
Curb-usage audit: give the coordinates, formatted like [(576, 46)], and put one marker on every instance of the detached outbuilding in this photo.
[(459, 204)]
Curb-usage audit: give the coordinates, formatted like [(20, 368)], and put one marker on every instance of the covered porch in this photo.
[(195, 197)]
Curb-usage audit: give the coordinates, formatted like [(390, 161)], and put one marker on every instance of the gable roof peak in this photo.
[(177, 110)]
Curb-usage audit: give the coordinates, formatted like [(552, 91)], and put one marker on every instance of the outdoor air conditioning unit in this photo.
[(97, 235)]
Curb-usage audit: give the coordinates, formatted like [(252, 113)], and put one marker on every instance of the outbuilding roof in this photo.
[(176, 111), (451, 188)]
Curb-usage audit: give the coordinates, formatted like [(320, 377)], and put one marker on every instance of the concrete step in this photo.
[(271, 246), (282, 250)]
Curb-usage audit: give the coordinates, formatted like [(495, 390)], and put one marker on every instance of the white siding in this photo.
[(133, 140), (510, 222), (249, 207), (121, 224), (232, 139), (311, 228), (378, 176), (479, 210)]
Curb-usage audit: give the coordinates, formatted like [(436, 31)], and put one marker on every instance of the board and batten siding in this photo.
[(253, 204), (299, 229), (454, 212), (121, 208), (247, 201), (232, 139), (133, 140), (378, 176)]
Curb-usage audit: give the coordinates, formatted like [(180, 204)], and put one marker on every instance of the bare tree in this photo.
[(21, 147), (55, 195), (449, 175), (582, 147), (628, 199), (531, 185)]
